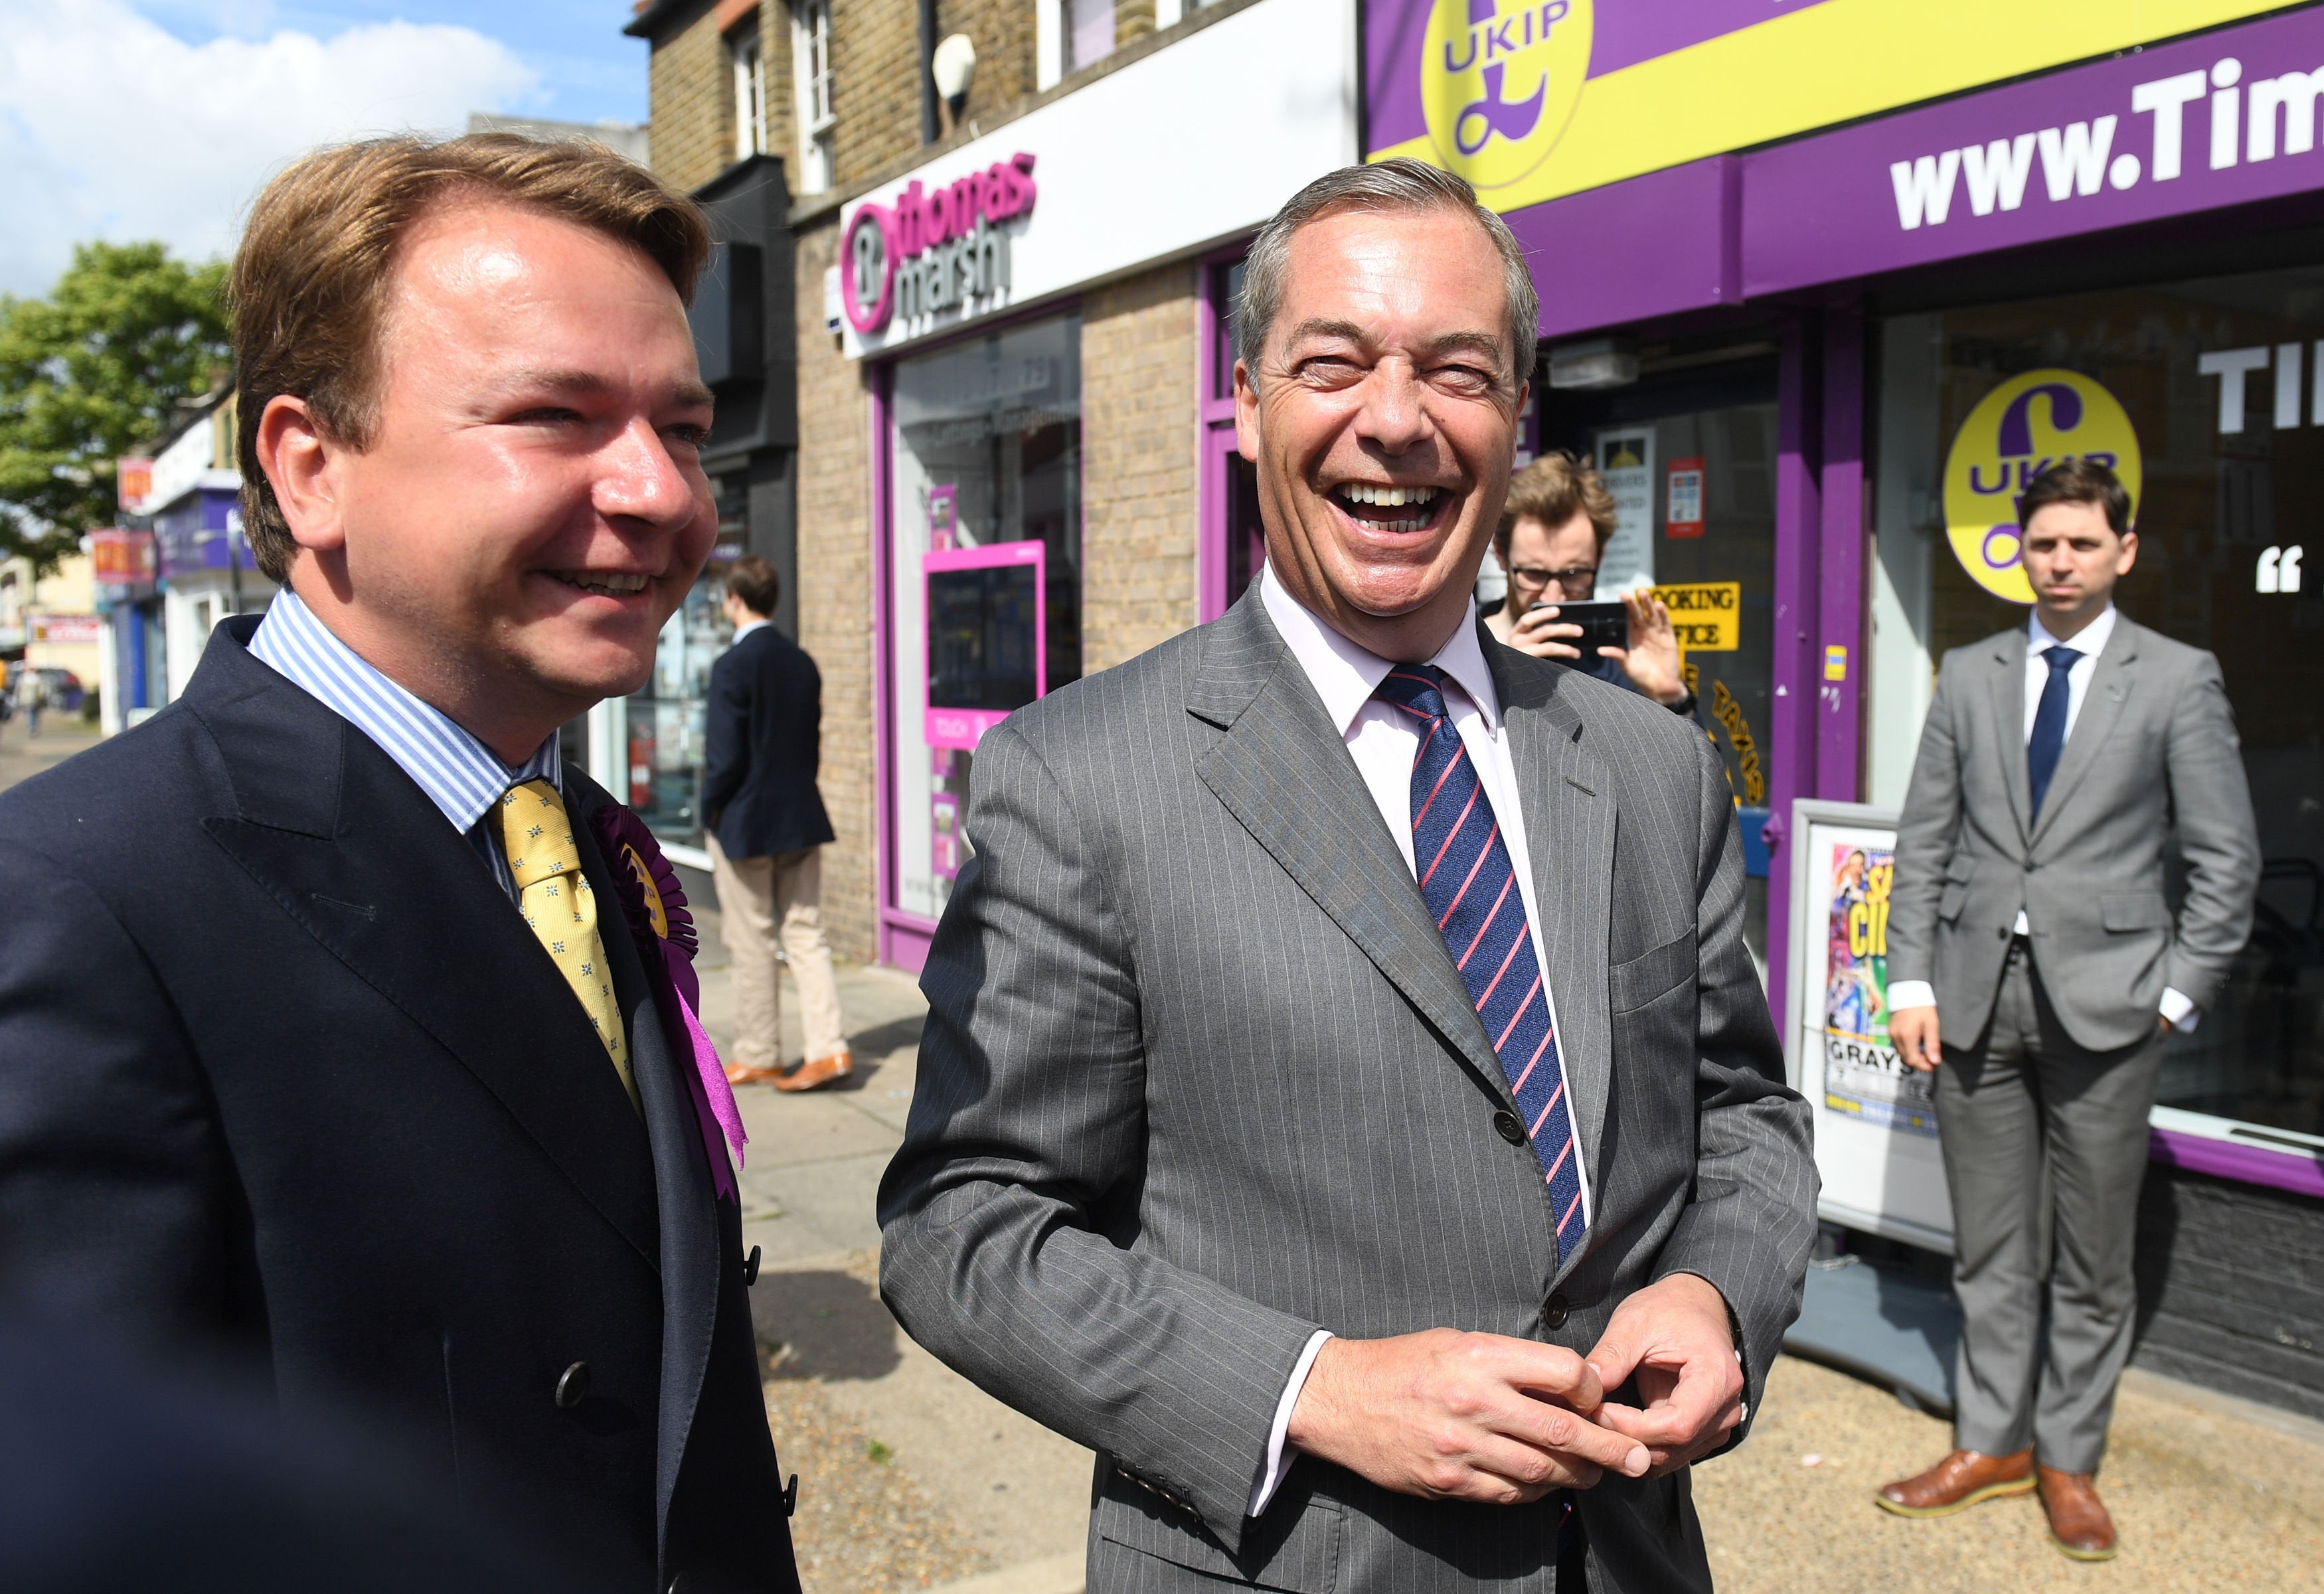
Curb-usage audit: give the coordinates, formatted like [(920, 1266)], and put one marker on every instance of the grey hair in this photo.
[(1401, 185)]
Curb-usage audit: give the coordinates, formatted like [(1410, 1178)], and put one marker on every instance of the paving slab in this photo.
[(2207, 1497)]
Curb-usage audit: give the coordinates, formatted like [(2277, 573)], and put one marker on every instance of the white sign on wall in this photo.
[(1184, 148), (1626, 464)]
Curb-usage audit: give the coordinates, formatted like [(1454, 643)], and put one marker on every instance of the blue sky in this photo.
[(588, 70), (135, 119)]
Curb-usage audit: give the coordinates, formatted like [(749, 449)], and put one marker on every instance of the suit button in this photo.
[(750, 1269), (1507, 1126), (573, 1385), (1553, 1311)]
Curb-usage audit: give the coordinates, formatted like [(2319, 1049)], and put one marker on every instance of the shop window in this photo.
[(666, 726), (985, 523), (749, 57), (811, 66), (1701, 443), (2205, 393)]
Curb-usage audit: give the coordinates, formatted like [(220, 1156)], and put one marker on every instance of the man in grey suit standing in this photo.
[(2034, 964), (1347, 1104)]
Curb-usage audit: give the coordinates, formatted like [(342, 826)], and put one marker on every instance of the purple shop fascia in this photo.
[(936, 248), (2221, 126)]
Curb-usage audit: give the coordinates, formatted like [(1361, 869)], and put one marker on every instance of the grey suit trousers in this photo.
[(2045, 1145)]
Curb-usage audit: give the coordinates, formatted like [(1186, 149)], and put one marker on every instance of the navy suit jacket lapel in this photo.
[(686, 1198), (359, 857)]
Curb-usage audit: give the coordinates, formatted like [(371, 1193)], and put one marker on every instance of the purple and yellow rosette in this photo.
[(654, 904)]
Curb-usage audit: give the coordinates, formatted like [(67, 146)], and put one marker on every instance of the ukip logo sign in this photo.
[(1500, 81), (2014, 433), (933, 249)]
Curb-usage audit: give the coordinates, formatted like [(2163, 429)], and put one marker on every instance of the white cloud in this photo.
[(110, 127)]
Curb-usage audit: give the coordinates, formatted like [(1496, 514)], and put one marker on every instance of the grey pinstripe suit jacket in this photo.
[(1199, 1077)]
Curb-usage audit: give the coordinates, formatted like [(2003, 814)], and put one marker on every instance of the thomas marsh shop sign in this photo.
[(934, 249)]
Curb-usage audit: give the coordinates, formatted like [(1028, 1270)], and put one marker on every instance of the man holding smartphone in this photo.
[(1552, 536)]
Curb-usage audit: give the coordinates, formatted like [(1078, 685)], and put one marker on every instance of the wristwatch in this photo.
[(1684, 706)]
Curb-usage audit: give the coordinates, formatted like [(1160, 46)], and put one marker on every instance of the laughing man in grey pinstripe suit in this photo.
[(1381, 1226)]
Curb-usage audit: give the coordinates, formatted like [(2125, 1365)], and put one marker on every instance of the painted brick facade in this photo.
[(1138, 465), (835, 596)]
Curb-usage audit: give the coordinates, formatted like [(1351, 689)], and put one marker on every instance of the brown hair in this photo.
[(1553, 490), (757, 583), (313, 276), (2077, 480)]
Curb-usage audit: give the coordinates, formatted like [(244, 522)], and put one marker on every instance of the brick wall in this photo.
[(690, 88), (1139, 448), (1006, 37), (2231, 1288), (875, 94), (835, 596), (690, 85)]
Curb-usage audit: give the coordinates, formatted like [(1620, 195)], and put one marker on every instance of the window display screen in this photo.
[(982, 637), (2204, 395)]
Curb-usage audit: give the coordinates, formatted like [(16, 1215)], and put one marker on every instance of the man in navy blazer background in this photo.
[(766, 827)]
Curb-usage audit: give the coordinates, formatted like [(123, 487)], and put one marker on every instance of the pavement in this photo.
[(21, 756), (912, 1478)]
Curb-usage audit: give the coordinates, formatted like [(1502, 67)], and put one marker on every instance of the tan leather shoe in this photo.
[(823, 1071), (738, 1074), (2079, 1523), (1960, 1480)]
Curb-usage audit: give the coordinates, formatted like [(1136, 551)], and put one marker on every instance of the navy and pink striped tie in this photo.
[(1471, 887)]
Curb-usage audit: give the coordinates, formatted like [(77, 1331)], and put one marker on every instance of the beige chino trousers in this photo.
[(763, 902)]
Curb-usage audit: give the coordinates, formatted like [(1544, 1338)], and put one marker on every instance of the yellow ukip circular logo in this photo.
[(2017, 431), (1499, 82)]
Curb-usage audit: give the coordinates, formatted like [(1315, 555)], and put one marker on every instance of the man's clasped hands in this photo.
[(1501, 1420)]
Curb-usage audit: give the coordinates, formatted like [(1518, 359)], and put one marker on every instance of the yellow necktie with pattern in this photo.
[(554, 894)]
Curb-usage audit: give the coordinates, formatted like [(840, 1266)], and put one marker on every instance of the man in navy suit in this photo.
[(767, 830), (337, 1031)]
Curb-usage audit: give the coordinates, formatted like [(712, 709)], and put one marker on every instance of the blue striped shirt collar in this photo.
[(461, 776)]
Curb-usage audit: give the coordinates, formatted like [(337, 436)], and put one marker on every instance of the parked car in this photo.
[(65, 691)]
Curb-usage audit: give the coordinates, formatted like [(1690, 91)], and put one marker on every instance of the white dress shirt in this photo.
[(1384, 744), (2089, 642)]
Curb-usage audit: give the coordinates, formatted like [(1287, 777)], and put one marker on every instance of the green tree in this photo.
[(89, 374)]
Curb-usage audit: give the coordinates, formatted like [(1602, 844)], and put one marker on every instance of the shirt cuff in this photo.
[(2178, 1011), (1280, 1454), (1911, 993)]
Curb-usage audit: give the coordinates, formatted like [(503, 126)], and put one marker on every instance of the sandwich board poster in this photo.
[(1875, 1120)]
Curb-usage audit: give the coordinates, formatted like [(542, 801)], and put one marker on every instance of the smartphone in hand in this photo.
[(1605, 623)]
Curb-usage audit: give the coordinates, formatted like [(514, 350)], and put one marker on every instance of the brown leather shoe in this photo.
[(823, 1071), (1960, 1480), (2079, 1523), (740, 1074)]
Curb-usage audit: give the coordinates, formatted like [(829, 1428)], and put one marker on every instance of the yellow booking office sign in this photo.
[(2017, 431), (1500, 81)]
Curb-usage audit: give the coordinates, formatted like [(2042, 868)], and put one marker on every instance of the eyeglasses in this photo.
[(1576, 584)]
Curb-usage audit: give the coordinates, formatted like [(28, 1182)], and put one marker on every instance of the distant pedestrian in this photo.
[(2029, 929), (767, 828), (32, 696)]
